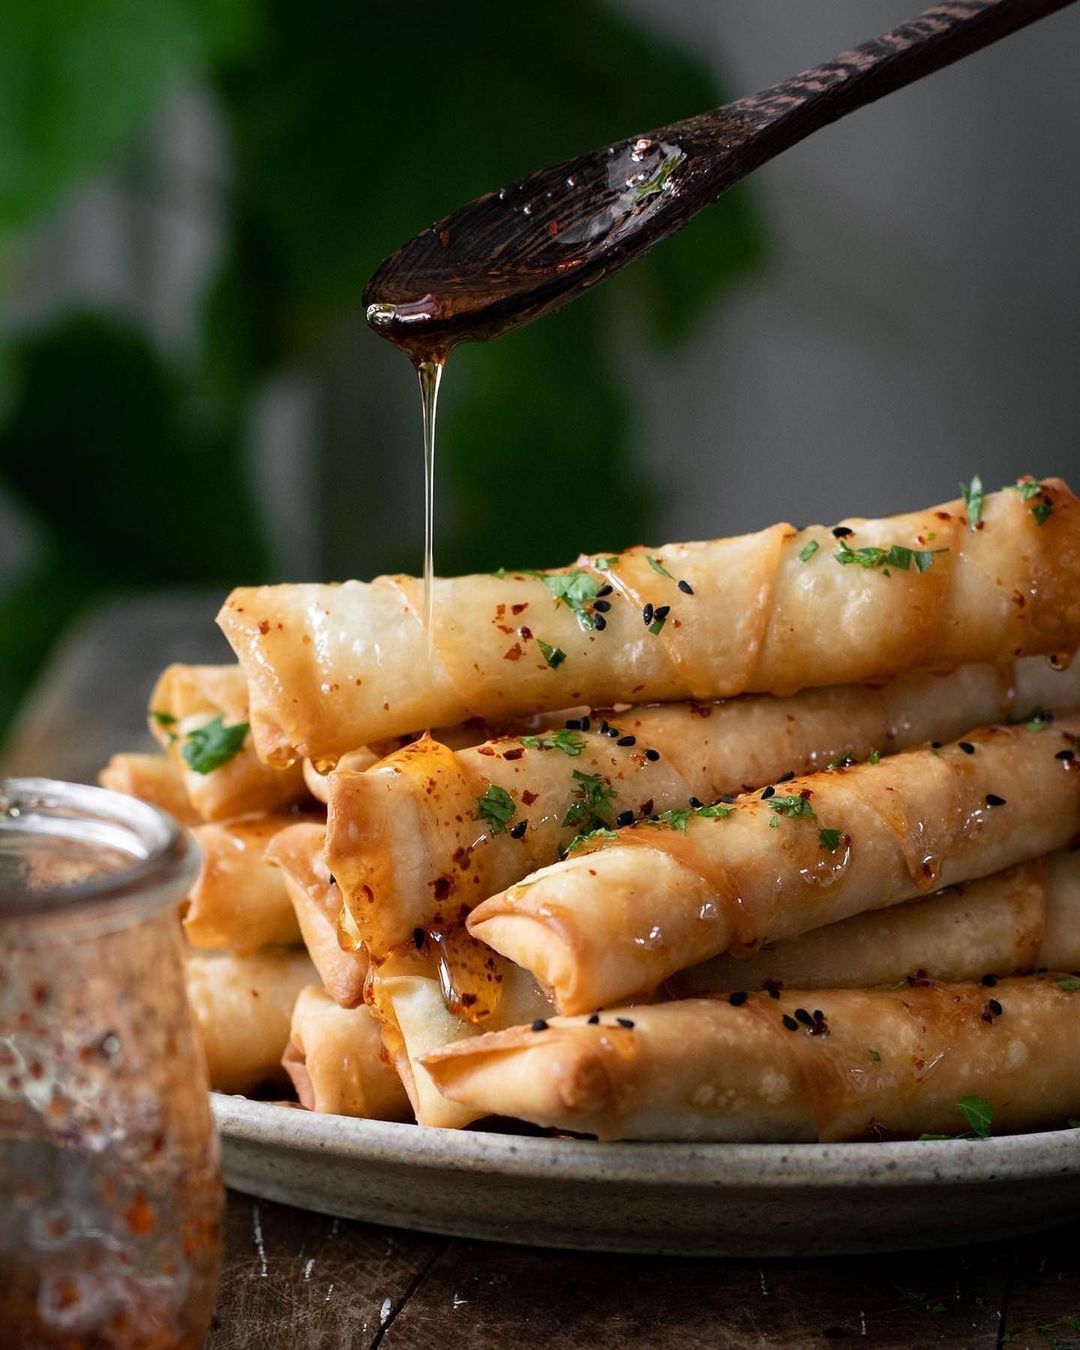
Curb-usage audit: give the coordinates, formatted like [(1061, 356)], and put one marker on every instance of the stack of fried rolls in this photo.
[(765, 838)]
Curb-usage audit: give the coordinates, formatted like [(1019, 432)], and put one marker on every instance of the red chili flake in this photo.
[(515, 653), (529, 797), (264, 626), (553, 227), (514, 754), (519, 609)]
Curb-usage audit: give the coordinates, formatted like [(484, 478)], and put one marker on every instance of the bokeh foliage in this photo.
[(350, 127)]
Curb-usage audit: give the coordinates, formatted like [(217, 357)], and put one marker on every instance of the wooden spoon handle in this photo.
[(777, 118)]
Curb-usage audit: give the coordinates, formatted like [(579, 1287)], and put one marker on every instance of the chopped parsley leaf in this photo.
[(974, 498), (163, 719), (569, 742), (791, 806), (875, 757), (895, 556), (590, 805), (658, 566), (1070, 983), (717, 812), (1026, 490), (978, 1113), (554, 656), (875, 1056), (1042, 511), (495, 808), (499, 573), (576, 590), (675, 819), (602, 833), (657, 624), (1036, 720), (209, 747), (830, 839), (844, 761), (808, 551), (603, 564)]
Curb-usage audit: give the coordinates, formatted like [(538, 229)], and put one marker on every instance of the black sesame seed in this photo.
[(647, 615), (539, 1025), (599, 622), (786, 777), (989, 981), (418, 938), (652, 755), (772, 988), (995, 1007), (696, 803), (332, 879), (804, 1017), (594, 1020), (686, 588), (602, 606), (737, 1000), (967, 747), (518, 831), (604, 590), (842, 532), (769, 792), (726, 798), (992, 799), (624, 818), (613, 732), (603, 728), (625, 1022), (573, 724), (626, 740), (935, 745), (661, 612), (1065, 755), (789, 1022)]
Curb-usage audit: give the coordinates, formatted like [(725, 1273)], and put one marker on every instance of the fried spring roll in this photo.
[(407, 994), (239, 901), (242, 1007), (333, 667), (411, 846), (336, 1061), (316, 902), (1022, 919), (625, 912), (826, 1065), (187, 699), (153, 779)]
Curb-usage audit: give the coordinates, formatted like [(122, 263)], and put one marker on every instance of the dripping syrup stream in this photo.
[(430, 375)]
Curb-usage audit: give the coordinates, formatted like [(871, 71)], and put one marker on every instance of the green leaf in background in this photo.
[(79, 77)]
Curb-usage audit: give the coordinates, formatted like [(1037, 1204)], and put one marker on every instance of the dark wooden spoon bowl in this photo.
[(512, 255)]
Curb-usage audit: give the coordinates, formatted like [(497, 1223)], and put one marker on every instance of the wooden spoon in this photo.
[(514, 254)]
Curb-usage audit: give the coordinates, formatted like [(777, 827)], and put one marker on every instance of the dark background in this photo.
[(193, 193)]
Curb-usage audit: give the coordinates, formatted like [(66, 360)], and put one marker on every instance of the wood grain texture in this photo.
[(302, 1281)]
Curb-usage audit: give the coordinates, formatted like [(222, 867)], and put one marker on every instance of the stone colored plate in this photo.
[(701, 1199)]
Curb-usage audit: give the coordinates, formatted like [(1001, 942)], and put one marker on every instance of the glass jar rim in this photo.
[(164, 856)]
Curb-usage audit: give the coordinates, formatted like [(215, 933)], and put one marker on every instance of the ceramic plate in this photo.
[(700, 1199)]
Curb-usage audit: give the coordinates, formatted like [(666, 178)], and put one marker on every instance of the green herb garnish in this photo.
[(974, 498), (554, 656), (1070, 983), (808, 551), (1038, 719), (874, 757), (1042, 512), (603, 564), (895, 556), (209, 747), (830, 839), (658, 181), (591, 803), (1026, 490), (576, 590), (658, 566), (977, 1112), (657, 624), (844, 761), (569, 742), (875, 1056), (602, 833), (495, 808), (163, 719), (792, 807)]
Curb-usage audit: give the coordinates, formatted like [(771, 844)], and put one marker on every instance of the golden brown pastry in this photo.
[(333, 667), (1022, 919), (242, 1007), (425, 835), (153, 779), (623, 913), (316, 902), (336, 1061), (198, 715), (805, 1065)]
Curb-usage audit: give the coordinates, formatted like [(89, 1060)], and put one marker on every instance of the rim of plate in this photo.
[(902, 1163)]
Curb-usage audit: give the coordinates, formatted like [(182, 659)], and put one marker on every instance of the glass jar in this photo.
[(110, 1185)]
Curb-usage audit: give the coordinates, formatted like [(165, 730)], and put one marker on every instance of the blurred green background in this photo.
[(345, 130)]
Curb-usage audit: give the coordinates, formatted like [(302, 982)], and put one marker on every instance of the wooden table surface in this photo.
[(298, 1280)]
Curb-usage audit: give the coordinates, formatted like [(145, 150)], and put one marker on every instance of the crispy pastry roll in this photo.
[(625, 912), (196, 713), (243, 1006), (448, 991), (824, 1065), (336, 1061), (316, 903), (1022, 919), (419, 840), (239, 900), (153, 779), (333, 667)]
